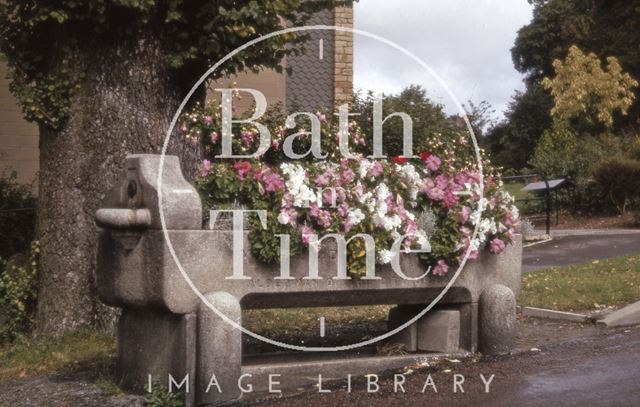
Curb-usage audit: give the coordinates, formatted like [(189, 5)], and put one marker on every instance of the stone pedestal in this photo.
[(157, 344), (407, 337), (439, 331), (219, 350), (497, 320)]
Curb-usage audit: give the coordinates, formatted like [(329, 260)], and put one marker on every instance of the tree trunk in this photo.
[(123, 105)]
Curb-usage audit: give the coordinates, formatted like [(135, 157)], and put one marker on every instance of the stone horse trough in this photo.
[(166, 330)]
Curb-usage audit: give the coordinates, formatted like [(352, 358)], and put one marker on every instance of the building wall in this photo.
[(18, 138), (271, 83), (310, 84), (343, 51)]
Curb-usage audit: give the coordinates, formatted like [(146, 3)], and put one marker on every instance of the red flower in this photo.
[(399, 159), (424, 155), (243, 168)]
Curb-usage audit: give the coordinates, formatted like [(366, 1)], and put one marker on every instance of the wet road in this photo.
[(602, 370), (579, 249)]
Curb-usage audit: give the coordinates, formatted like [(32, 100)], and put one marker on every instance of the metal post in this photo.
[(548, 203)]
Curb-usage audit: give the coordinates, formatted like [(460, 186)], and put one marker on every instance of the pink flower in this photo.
[(376, 169), (206, 167), (207, 120), (441, 268), (449, 199), (473, 253), (348, 176), (509, 219), (321, 117), (306, 234), (343, 209), (429, 188), (272, 181), (461, 178), (496, 246), (433, 162), (247, 137), (214, 137), (243, 168), (323, 179), (463, 215)]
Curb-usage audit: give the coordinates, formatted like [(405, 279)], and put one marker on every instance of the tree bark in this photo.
[(123, 105)]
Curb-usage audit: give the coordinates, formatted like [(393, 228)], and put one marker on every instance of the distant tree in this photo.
[(606, 28), (556, 25), (586, 94), (512, 141), (481, 116), (428, 117)]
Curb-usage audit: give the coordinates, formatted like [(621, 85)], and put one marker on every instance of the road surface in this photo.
[(562, 251), (602, 370)]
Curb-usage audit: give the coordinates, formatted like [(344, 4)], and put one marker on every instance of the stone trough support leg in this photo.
[(219, 350), (469, 326), (497, 320)]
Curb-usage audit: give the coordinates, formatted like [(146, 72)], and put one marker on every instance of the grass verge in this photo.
[(283, 321), (84, 349), (586, 286)]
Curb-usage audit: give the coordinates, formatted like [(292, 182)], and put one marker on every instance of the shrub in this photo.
[(619, 179), (160, 396), (17, 217), (18, 293)]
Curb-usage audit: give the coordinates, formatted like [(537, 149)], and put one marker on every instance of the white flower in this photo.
[(423, 241), (355, 216), (365, 165), (284, 218), (382, 192), (295, 183), (386, 256)]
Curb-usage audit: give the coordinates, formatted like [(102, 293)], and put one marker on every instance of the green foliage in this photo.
[(562, 154), (607, 28), (429, 118), (44, 40), (585, 93), (556, 25), (556, 154), (619, 179), (512, 142), (160, 396), (17, 216), (17, 294)]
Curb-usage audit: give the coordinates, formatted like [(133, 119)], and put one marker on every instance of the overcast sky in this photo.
[(466, 42)]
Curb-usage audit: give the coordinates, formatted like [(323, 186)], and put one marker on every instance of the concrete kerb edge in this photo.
[(553, 314)]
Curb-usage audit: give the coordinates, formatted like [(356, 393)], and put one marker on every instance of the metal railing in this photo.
[(546, 198)]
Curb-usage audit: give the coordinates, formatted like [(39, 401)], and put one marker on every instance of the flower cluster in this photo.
[(434, 199)]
